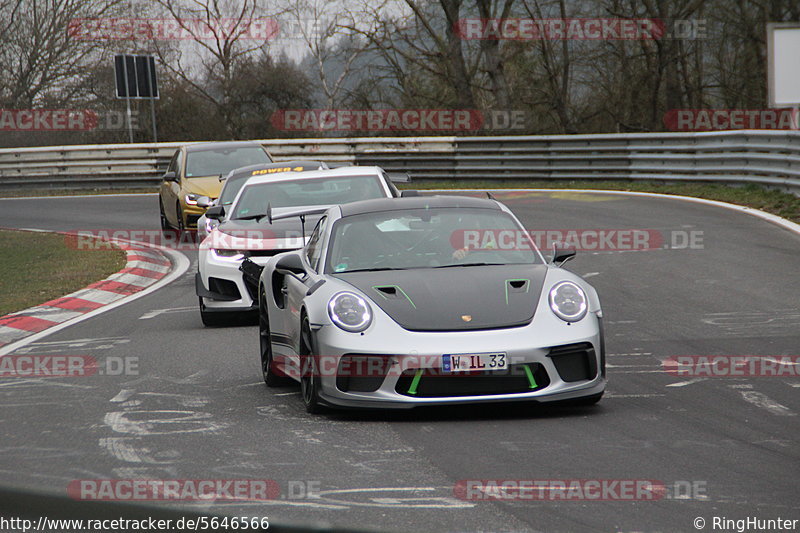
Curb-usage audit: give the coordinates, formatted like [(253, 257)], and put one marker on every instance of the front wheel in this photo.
[(181, 226), (163, 216), (309, 380)]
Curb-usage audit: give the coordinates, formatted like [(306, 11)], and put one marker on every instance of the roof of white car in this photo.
[(314, 174)]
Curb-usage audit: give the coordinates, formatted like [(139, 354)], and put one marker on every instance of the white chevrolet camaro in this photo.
[(246, 236)]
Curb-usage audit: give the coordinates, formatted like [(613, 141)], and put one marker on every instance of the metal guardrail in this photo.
[(743, 156)]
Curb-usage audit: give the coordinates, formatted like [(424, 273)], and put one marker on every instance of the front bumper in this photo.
[(221, 286), (191, 214), (555, 369)]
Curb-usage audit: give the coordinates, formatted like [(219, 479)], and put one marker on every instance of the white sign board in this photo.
[(783, 53)]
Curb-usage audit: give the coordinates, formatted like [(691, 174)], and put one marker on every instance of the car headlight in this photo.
[(350, 312), (229, 255), (191, 198), (568, 301)]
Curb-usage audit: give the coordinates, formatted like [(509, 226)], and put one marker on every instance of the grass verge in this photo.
[(39, 267), (779, 203)]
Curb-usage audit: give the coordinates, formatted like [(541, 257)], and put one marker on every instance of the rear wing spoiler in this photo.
[(394, 177), (302, 212)]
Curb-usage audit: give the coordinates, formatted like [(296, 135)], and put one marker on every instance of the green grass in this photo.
[(783, 204), (39, 267)]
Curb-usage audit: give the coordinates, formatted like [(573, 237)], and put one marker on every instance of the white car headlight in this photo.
[(229, 255), (568, 301), (350, 312), (191, 198)]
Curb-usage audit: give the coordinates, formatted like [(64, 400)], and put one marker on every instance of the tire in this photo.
[(309, 380), (210, 318), (181, 226), (164, 224), (272, 377)]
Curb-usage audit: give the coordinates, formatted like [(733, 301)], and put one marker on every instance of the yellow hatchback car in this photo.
[(194, 172)]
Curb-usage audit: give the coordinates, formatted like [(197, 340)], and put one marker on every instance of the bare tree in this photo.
[(332, 48), (8, 14), (39, 58), (493, 61), (222, 38), (422, 45), (556, 60)]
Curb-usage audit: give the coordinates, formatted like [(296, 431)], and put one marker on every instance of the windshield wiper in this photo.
[(467, 265), (257, 218), (376, 269)]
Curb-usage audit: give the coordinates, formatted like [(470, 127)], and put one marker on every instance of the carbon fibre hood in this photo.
[(454, 299)]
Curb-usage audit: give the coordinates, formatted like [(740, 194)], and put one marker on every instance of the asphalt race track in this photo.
[(196, 408)]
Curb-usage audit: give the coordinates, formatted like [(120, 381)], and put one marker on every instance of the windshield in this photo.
[(424, 238), (216, 161), (254, 199), (235, 183), (231, 188)]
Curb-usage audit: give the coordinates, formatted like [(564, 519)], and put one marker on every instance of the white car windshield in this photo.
[(254, 198), (231, 188), (428, 238)]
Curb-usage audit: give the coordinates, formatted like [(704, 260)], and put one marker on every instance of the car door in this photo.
[(170, 190), (296, 289), (164, 193)]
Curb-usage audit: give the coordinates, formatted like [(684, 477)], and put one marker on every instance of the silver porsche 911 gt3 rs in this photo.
[(384, 308)]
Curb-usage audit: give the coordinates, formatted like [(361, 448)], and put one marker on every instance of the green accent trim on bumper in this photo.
[(530, 376), (415, 382)]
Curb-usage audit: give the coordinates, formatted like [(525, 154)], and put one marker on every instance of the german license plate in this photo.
[(472, 362)]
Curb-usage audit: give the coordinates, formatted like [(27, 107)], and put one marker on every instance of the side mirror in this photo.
[(290, 264), (204, 201), (215, 212), (170, 176), (562, 253), (409, 192)]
